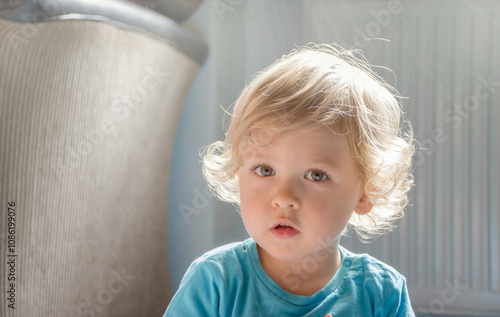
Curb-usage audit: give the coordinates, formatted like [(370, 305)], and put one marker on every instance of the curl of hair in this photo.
[(220, 171), (324, 85)]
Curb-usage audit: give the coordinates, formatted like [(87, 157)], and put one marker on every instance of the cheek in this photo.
[(332, 209), (250, 199), (250, 189), (251, 205), (251, 217)]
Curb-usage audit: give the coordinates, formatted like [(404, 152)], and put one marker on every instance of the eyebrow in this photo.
[(327, 162), (251, 154)]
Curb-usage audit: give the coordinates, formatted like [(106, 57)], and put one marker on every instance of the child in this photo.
[(314, 148)]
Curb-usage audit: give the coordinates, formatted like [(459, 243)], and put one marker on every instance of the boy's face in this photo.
[(298, 193)]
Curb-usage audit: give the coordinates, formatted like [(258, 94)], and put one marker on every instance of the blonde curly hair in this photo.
[(325, 84)]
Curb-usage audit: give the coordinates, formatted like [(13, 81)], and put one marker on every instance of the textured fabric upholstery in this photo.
[(88, 114)]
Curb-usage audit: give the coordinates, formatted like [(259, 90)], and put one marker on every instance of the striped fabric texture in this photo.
[(88, 114)]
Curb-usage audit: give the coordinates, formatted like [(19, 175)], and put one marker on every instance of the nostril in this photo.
[(285, 197), (288, 203)]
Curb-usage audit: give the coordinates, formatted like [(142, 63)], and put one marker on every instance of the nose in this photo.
[(286, 196)]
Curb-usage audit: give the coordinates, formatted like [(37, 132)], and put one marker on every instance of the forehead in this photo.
[(319, 144)]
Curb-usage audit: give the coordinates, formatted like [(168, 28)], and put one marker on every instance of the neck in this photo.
[(304, 276)]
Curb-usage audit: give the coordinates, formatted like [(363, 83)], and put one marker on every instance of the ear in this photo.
[(364, 205)]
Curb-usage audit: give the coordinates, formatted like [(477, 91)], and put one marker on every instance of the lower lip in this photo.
[(284, 233)]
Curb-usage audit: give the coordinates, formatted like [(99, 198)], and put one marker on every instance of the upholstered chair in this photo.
[(90, 95)]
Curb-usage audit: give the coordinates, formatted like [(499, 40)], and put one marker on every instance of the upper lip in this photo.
[(283, 221)]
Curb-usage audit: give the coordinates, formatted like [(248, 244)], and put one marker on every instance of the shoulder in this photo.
[(225, 251), (229, 253), (209, 280), (381, 287), (223, 260), (372, 269)]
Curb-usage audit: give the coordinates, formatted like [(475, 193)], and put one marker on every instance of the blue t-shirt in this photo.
[(230, 281)]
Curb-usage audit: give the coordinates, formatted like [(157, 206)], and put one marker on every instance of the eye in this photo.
[(264, 170), (316, 175)]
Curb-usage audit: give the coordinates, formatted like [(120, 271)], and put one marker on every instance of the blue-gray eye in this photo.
[(316, 175), (264, 170)]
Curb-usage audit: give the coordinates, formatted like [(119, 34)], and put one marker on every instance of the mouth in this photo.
[(284, 230)]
